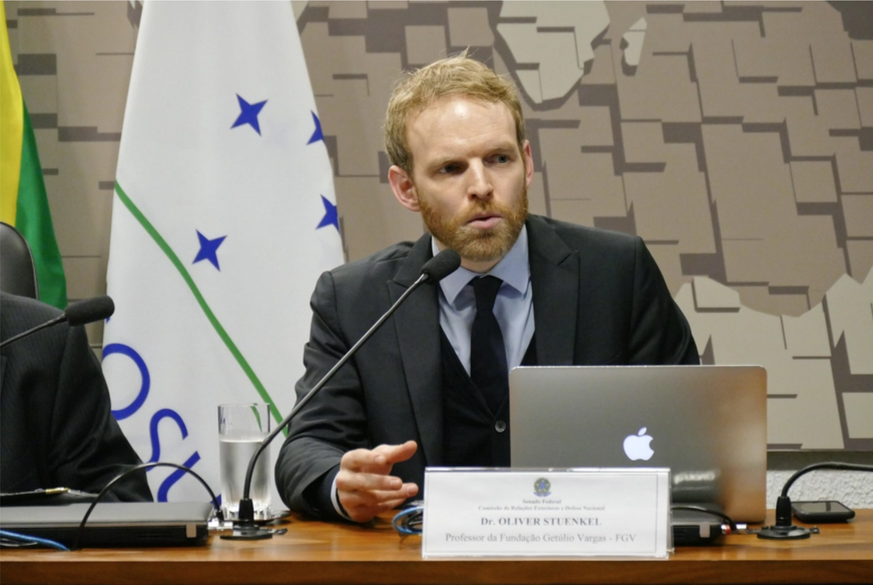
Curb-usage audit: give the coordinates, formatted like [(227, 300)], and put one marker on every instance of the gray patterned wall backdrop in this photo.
[(736, 138)]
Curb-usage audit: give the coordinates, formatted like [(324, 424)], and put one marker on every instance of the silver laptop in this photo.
[(113, 524), (708, 424)]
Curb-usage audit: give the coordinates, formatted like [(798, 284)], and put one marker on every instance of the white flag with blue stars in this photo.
[(224, 215)]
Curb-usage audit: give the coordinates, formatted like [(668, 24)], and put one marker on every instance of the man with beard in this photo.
[(425, 390)]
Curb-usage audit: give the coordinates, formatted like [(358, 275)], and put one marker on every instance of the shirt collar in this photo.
[(513, 269)]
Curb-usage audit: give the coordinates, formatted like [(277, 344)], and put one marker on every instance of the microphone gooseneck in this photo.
[(433, 271), (79, 313)]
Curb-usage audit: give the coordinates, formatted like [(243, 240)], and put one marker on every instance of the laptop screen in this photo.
[(708, 424)]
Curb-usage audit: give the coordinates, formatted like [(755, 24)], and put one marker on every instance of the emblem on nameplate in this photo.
[(542, 487)]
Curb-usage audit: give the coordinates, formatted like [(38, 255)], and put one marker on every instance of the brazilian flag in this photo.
[(23, 201)]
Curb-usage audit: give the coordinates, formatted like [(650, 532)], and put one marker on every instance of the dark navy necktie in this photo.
[(487, 352)]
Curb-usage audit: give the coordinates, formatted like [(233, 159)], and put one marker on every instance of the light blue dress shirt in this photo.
[(513, 307)]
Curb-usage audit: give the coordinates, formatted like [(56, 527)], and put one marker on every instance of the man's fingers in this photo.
[(373, 499), (378, 460), (358, 459), (395, 453), (367, 513), (356, 481)]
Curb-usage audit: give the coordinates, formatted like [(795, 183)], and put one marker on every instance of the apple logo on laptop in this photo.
[(636, 447)]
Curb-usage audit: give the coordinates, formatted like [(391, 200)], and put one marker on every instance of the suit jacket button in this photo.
[(500, 426)]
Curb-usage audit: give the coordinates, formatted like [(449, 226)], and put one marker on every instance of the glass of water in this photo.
[(241, 428)]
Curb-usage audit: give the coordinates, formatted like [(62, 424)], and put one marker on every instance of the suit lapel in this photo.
[(554, 271), (555, 276), (417, 325)]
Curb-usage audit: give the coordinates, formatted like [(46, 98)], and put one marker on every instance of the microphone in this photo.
[(79, 313), (89, 311), (434, 270), (440, 266), (784, 529)]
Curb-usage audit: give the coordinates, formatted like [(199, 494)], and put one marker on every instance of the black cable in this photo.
[(146, 466), (824, 465)]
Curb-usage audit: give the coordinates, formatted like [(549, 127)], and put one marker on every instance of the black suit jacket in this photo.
[(56, 428), (599, 299)]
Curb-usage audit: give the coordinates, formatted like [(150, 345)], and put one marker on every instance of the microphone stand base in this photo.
[(244, 528), (248, 532), (786, 532)]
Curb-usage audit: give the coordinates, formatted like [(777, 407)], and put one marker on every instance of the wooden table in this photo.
[(315, 552)]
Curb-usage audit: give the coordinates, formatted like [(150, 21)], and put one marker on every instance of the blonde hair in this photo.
[(453, 76)]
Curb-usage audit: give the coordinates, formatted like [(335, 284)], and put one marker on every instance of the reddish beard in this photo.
[(472, 243)]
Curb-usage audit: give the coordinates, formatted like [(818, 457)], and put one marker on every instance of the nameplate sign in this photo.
[(546, 512)]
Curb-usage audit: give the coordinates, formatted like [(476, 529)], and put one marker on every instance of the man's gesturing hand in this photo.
[(363, 485)]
